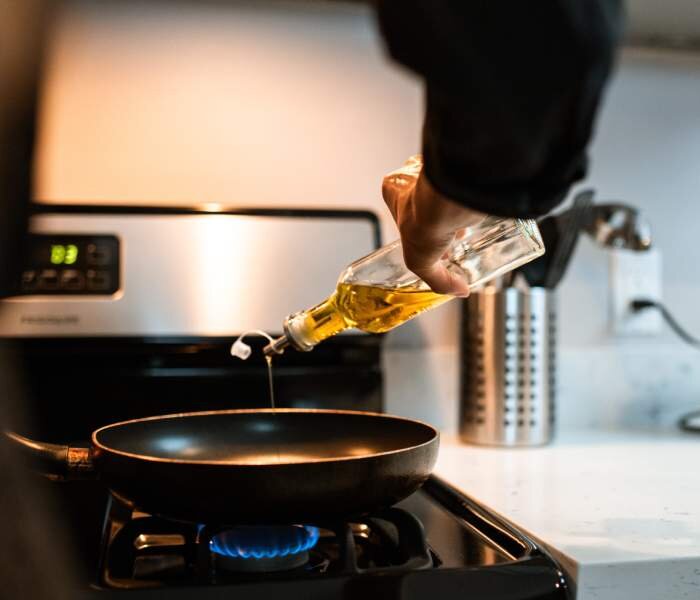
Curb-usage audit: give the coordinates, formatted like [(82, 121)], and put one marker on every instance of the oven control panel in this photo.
[(64, 264), (138, 271)]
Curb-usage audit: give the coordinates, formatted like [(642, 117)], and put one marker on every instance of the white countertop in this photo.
[(620, 511)]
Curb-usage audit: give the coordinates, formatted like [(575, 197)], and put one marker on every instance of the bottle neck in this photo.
[(307, 328)]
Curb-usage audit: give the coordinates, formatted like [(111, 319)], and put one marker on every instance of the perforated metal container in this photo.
[(508, 367)]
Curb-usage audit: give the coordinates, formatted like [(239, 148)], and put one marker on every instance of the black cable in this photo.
[(638, 305), (686, 421)]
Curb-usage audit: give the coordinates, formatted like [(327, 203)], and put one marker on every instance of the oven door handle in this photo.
[(55, 461)]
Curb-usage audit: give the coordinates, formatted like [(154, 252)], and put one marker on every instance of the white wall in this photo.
[(647, 153), (295, 104), (243, 103)]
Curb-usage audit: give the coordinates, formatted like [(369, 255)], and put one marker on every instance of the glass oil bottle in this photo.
[(378, 292)]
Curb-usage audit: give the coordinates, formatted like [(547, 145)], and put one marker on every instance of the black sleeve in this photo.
[(512, 89)]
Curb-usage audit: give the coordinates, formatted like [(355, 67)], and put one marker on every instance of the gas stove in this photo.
[(436, 543), (130, 312)]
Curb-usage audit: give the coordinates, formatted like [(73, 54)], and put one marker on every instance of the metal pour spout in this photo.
[(277, 346)]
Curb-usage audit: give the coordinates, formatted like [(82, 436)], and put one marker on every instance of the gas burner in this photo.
[(380, 554), (142, 550), (257, 549)]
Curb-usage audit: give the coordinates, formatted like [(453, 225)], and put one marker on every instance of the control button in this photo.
[(98, 255), (48, 279), (29, 280), (72, 280), (98, 281)]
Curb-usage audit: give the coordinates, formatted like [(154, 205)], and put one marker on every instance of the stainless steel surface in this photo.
[(289, 338), (206, 274), (262, 565), (154, 540), (277, 346), (508, 365)]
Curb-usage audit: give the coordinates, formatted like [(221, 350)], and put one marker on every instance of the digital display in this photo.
[(70, 264), (63, 254)]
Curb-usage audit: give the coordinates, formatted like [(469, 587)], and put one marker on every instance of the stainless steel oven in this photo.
[(129, 311)]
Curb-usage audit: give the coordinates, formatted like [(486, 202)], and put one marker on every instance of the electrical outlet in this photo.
[(634, 275)]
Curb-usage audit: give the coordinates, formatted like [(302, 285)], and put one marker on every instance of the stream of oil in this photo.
[(268, 360)]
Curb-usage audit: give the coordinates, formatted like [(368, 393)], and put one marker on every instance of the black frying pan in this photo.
[(253, 466)]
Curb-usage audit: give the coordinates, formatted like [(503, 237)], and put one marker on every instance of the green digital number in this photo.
[(71, 254), (58, 254)]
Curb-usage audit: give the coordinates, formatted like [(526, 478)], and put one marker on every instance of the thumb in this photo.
[(443, 281), (423, 257)]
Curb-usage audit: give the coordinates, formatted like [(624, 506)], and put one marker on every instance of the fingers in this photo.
[(391, 194), (443, 281), (423, 254), (427, 224), (398, 185)]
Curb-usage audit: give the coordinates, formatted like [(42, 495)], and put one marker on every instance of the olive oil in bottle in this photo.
[(370, 308)]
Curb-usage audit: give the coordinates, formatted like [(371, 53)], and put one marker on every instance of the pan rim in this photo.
[(435, 438)]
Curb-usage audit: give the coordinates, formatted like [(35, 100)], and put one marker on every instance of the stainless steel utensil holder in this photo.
[(508, 367)]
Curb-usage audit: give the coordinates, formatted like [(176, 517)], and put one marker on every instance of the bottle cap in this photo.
[(240, 349)]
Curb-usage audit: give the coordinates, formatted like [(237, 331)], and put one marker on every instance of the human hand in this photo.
[(428, 222)]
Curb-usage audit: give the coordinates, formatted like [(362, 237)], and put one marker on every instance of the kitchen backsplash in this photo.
[(275, 104)]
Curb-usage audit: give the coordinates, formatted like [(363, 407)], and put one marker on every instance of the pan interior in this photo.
[(264, 437)]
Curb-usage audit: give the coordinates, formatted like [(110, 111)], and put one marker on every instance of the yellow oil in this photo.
[(369, 308), (268, 360)]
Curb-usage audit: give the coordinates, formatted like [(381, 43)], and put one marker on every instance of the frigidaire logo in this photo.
[(49, 319)]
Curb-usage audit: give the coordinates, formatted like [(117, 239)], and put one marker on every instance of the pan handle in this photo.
[(54, 460)]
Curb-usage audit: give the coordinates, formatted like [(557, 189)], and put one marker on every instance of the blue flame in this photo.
[(264, 542)]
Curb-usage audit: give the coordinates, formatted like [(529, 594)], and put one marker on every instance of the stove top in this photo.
[(436, 543)]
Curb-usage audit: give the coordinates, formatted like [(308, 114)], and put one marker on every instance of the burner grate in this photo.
[(143, 551)]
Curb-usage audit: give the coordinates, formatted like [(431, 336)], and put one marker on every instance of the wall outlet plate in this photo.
[(634, 275)]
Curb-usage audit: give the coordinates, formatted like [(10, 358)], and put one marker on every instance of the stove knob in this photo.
[(98, 281), (98, 255), (48, 279), (72, 280), (29, 280)]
